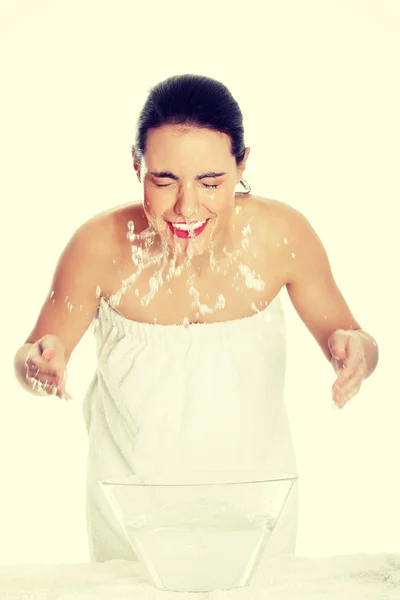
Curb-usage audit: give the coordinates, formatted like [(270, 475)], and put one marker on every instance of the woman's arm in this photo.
[(74, 293)]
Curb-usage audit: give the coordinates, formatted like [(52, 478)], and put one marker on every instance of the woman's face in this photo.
[(189, 177)]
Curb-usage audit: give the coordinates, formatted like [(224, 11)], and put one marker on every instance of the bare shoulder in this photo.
[(96, 247), (297, 240), (269, 209), (111, 226), (95, 238), (272, 220), (280, 218), (115, 220), (285, 233), (108, 235)]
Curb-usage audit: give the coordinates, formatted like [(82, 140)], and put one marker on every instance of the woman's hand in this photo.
[(46, 367), (348, 361)]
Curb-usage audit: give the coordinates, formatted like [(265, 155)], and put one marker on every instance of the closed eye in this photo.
[(168, 184)]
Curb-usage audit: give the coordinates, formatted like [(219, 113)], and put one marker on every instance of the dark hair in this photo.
[(192, 100)]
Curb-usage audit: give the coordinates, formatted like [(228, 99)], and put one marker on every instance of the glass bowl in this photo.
[(199, 531)]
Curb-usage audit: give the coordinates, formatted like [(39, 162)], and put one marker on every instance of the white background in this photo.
[(318, 85)]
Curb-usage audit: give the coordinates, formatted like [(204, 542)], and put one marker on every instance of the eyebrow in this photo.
[(172, 176)]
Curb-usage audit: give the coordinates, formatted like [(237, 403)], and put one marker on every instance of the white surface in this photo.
[(355, 577)]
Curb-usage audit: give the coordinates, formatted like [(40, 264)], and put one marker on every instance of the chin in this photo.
[(182, 247)]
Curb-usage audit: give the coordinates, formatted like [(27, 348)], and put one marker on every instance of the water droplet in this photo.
[(98, 291), (185, 322), (131, 228), (115, 299), (204, 309), (293, 254), (220, 304), (250, 278)]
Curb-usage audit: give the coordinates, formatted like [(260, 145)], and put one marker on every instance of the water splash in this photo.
[(146, 253), (251, 280)]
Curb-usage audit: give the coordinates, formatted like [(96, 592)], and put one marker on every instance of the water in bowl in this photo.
[(199, 531), (183, 551)]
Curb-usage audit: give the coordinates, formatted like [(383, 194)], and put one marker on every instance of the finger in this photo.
[(41, 376), (353, 384), (62, 377), (58, 378), (54, 368), (344, 376), (63, 394), (45, 385), (61, 383), (40, 380), (338, 365), (50, 387), (48, 354), (343, 394), (355, 366), (355, 357), (37, 364), (32, 371)]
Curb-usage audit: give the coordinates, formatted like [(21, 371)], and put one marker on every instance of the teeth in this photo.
[(185, 227)]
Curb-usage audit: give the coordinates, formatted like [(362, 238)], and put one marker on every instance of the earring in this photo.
[(246, 186)]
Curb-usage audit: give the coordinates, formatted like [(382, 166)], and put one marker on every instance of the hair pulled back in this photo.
[(192, 100)]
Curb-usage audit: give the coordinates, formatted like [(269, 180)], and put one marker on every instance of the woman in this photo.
[(183, 290)]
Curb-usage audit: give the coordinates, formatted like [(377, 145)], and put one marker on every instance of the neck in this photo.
[(214, 254)]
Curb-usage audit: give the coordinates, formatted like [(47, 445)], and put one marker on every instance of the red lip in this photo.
[(185, 234)]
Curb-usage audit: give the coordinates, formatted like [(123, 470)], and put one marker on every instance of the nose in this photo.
[(187, 203)]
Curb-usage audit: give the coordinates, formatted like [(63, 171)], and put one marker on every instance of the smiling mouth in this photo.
[(182, 230)]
